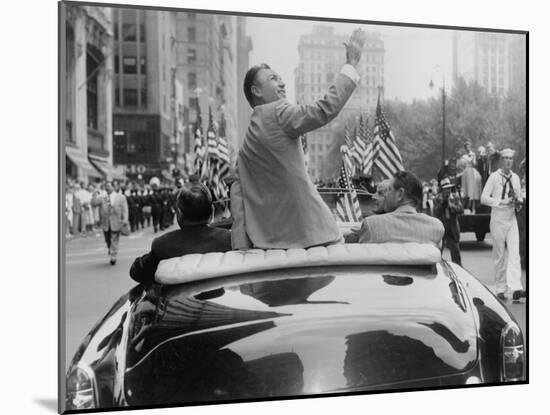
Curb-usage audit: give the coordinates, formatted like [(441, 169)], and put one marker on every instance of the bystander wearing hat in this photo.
[(503, 194), (448, 207)]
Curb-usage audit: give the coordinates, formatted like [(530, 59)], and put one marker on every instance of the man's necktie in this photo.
[(507, 186)]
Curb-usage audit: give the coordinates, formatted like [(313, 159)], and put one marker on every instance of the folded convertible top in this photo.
[(196, 267)]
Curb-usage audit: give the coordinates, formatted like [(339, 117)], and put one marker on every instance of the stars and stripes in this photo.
[(387, 158), (212, 179), (347, 204), (368, 159), (224, 162), (359, 149), (198, 147)]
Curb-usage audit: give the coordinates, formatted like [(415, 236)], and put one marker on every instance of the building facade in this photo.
[(244, 47), (322, 55), (144, 113), (206, 67), (496, 61), (87, 87)]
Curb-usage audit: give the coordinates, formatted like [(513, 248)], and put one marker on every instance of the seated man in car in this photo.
[(401, 222), (193, 210)]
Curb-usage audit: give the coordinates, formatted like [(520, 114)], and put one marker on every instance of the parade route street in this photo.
[(93, 285)]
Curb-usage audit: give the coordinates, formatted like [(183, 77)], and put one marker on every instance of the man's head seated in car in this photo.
[(194, 209), (194, 205), (401, 222)]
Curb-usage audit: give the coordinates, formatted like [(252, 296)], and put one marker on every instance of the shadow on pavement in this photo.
[(47, 403)]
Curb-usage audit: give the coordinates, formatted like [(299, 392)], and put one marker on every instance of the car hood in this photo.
[(298, 332)]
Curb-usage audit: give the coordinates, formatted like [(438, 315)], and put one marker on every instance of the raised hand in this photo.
[(354, 47)]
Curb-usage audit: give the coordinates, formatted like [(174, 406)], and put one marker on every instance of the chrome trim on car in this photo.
[(503, 333)]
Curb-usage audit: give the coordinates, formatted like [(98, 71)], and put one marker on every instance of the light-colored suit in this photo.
[(404, 224), (113, 215), (275, 202)]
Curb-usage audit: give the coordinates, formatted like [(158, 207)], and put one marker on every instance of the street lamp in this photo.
[(436, 68)]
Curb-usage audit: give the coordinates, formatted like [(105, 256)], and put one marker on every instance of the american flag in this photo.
[(198, 146), (348, 147), (211, 140), (368, 159), (212, 178), (359, 148), (347, 204), (387, 159), (223, 151)]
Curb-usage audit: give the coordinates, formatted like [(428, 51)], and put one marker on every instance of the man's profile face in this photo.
[(380, 197), (393, 197), (268, 86), (108, 187)]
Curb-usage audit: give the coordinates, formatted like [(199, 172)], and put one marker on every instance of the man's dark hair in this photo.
[(249, 79), (194, 204), (410, 184)]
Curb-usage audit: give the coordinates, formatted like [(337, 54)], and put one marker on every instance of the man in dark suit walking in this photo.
[(195, 236), (448, 208)]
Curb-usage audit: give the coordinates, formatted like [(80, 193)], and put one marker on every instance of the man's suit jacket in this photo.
[(404, 224), (189, 240), (114, 215), (280, 207)]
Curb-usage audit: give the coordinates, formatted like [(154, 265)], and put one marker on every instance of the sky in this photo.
[(411, 54)]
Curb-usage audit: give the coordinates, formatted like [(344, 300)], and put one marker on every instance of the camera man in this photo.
[(447, 209)]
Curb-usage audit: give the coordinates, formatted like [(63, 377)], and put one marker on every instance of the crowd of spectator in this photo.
[(148, 205)]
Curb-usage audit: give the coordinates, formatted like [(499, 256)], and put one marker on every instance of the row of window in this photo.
[(314, 147), (129, 32), (332, 42), (129, 65), (366, 59), (129, 97)]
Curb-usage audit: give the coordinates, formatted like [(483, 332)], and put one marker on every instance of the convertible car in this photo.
[(247, 325)]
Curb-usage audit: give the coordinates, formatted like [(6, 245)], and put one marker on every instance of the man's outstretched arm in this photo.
[(296, 120)]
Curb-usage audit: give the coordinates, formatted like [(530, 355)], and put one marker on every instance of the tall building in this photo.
[(86, 102), (322, 55), (244, 47), (496, 61), (206, 50), (144, 114)]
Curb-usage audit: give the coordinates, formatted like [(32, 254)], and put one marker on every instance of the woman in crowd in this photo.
[(470, 178)]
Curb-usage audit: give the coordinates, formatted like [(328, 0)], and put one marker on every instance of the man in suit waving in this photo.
[(274, 203), (114, 215)]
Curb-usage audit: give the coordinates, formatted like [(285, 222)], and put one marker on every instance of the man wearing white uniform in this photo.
[(503, 193)]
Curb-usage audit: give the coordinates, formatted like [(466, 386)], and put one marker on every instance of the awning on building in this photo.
[(77, 158), (109, 173)]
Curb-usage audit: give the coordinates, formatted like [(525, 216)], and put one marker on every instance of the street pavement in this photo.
[(93, 285)]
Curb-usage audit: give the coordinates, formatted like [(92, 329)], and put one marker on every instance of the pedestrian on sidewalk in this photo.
[(146, 207), (68, 209), (503, 194), (114, 215), (77, 209), (155, 201), (448, 208)]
